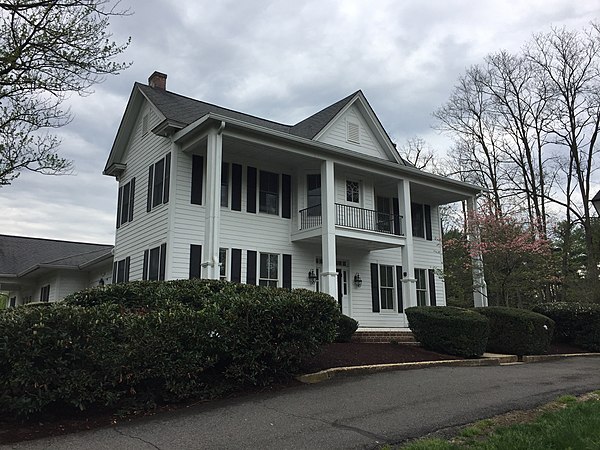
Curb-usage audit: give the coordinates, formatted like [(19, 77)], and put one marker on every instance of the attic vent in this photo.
[(353, 132), (144, 123)]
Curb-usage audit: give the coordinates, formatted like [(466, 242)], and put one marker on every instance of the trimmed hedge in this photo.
[(134, 345), (346, 328), (576, 323), (451, 330), (518, 331)]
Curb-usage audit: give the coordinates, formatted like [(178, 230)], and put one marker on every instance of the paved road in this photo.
[(356, 412)]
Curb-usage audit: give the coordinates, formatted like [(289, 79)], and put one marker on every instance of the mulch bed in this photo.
[(361, 354)]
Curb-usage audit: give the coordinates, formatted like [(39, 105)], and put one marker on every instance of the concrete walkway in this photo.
[(348, 412)]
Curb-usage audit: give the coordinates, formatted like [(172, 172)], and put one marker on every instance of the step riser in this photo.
[(400, 337)]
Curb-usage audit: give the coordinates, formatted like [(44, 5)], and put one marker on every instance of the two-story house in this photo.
[(326, 204)]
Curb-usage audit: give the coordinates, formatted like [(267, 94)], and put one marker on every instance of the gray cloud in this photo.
[(281, 61)]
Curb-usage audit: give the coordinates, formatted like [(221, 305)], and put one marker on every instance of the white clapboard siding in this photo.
[(337, 135), (148, 229), (70, 281)]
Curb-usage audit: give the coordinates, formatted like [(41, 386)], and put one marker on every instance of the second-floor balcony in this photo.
[(355, 218)]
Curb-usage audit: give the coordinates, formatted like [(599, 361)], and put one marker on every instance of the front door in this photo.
[(342, 280)]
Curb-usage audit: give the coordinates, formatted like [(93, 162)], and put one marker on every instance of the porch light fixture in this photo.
[(357, 280), (596, 202), (312, 277)]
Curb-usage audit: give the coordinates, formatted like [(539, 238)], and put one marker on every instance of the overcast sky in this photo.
[(280, 60)]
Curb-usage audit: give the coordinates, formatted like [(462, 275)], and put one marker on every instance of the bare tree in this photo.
[(48, 49), (569, 61), (418, 153)]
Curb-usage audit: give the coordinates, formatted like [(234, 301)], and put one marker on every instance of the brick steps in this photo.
[(377, 337)]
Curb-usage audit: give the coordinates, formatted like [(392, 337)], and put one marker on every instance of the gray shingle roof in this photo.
[(185, 110), (18, 253)]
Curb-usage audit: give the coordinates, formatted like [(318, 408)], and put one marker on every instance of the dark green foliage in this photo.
[(137, 344), (451, 330), (345, 328), (576, 323), (516, 331)]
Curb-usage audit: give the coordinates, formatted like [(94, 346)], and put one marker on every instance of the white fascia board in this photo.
[(324, 151)]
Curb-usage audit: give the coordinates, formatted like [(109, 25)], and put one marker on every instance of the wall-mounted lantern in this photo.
[(312, 277), (357, 280)]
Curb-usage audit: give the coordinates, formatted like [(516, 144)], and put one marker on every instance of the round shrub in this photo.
[(451, 330), (576, 323), (518, 331), (346, 328)]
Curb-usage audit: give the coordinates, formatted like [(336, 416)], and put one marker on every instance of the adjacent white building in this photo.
[(324, 204), (47, 270)]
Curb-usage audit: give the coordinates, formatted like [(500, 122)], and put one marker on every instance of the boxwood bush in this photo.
[(136, 344), (346, 328), (451, 330), (576, 323), (518, 331)]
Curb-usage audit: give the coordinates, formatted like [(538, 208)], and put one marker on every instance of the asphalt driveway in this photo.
[(345, 413)]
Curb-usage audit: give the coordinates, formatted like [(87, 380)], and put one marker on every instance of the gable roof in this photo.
[(20, 255), (177, 111)]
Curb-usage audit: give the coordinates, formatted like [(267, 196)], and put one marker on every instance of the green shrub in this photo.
[(518, 331), (576, 323), (451, 330), (141, 343), (346, 327)]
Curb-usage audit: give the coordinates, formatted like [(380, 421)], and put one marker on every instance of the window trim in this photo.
[(161, 267), (155, 198), (260, 191), (268, 280), (226, 176), (125, 214), (45, 293), (358, 192), (224, 265), (124, 266), (387, 288), (425, 289)]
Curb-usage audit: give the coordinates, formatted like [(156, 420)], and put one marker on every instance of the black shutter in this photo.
[(150, 184), (131, 197), (236, 187), (195, 260), (396, 211), (287, 271), (114, 274), (251, 190), (375, 286), (286, 196), (167, 178), (197, 174), (127, 265), (119, 205), (163, 262), (428, 234), (250, 267), (399, 277), (145, 268), (236, 265), (432, 299)]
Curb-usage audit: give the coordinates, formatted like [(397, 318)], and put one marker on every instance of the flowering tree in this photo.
[(517, 263)]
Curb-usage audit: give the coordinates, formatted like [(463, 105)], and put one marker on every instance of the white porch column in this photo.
[(328, 273), (214, 155), (480, 298), (409, 282)]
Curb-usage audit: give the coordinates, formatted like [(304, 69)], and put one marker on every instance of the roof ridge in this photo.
[(213, 104), (54, 240)]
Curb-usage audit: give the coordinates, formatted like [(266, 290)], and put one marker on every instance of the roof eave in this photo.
[(208, 119)]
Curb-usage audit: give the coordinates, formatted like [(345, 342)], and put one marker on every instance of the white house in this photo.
[(47, 270), (325, 204)]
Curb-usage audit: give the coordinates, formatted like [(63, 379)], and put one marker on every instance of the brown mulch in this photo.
[(332, 355), (361, 354)]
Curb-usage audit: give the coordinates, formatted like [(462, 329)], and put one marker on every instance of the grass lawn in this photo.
[(568, 423)]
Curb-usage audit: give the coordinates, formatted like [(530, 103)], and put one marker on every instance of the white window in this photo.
[(269, 269), (352, 191), (421, 276), (386, 287), (268, 196), (45, 293), (222, 264)]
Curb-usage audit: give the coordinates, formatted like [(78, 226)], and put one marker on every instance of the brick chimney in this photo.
[(158, 80)]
